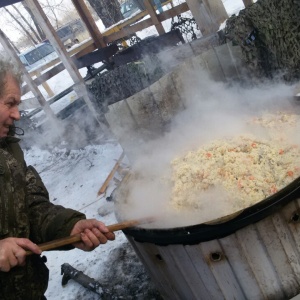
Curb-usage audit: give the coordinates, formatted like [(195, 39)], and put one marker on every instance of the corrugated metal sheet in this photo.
[(260, 261)]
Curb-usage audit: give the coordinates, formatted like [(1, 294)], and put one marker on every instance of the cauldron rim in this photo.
[(195, 234)]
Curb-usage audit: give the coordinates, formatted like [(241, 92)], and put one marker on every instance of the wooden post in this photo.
[(34, 89), (79, 84), (208, 14), (160, 29), (87, 18), (248, 2), (45, 85)]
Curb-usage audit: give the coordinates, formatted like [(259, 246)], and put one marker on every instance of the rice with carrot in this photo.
[(244, 168)]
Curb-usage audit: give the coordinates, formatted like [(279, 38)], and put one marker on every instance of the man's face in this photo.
[(9, 101)]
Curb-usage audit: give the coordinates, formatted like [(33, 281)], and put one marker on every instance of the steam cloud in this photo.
[(213, 110)]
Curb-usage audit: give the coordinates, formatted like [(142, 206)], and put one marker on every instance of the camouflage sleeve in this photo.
[(47, 221)]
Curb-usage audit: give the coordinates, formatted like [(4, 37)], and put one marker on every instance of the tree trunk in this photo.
[(37, 26), (13, 45), (108, 11), (21, 25), (31, 28)]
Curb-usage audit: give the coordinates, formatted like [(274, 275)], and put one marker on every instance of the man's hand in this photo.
[(13, 252), (93, 233)]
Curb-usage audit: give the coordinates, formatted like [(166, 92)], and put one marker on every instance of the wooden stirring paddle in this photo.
[(76, 237)]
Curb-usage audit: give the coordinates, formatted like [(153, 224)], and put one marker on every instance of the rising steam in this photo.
[(212, 110)]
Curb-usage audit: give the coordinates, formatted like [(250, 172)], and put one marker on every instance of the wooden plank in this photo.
[(110, 36), (89, 23), (160, 29), (100, 55), (181, 8), (78, 51), (46, 86), (44, 77), (55, 70), (54, 39), (110, 175), (79, 84)]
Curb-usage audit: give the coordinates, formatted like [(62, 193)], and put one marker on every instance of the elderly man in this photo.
[(27, 217)]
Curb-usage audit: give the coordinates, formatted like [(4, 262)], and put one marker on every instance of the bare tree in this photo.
[(108, 11), (21, 25), (37, 26), (55, 10), (27, 23)]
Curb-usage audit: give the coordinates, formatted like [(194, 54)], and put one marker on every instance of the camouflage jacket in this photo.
[(26, 212)]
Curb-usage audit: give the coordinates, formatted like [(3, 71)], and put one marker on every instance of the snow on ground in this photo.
[(73, 178)]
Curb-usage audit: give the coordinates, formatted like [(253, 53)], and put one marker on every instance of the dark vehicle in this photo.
[(140, 3), (68, 33), (128, 8)]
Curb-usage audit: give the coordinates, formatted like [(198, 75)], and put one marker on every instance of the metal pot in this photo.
[(252, 255)]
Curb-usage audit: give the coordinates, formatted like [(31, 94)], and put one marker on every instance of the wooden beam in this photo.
[(79, 84), (109, 36), (83, 49), (46, 86), (44, 77), (181, 8), (57, 69), (89, 23), (160, 29)]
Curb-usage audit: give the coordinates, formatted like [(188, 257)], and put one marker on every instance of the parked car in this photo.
[(128, 8), (70, 33), (38, 55)]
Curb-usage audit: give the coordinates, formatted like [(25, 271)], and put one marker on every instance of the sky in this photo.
[(10, 27), (73, 178)]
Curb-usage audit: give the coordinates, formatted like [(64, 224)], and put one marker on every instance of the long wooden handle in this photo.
[(76, 237)]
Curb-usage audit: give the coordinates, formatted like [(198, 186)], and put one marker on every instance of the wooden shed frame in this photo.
[(207, 13)]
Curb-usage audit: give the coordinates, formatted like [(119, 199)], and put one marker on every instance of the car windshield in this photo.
[(38, 53), (125, 8), (64, 31)]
